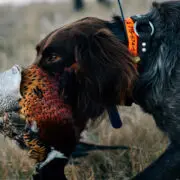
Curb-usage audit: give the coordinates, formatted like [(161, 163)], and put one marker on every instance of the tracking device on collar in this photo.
[(137, 32), (144, 30), (114, 117)]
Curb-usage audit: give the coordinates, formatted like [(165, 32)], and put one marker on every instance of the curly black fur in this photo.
[(157, 90)]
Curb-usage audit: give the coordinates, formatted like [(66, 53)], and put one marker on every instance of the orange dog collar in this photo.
[(132, 37)]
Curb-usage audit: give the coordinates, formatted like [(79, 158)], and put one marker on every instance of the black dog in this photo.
[(106, 75), (157, 87)]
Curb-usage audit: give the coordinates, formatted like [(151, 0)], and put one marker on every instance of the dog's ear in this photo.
[(106, 67)]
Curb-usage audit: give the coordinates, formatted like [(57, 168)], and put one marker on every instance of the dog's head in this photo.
[(104, 69)]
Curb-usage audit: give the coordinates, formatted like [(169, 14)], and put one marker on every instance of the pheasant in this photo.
[(44, 124), (45, 112), (49, 131)]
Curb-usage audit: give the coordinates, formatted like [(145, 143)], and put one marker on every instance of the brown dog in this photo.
[(90, 48), (88, 58), (106, 75)]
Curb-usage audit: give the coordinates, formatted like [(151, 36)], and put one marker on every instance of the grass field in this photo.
[(20, 29)]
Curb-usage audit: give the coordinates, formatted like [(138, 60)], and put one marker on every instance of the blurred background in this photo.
[(22, 24)]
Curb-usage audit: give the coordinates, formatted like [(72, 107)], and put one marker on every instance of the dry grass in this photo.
[(139, 132), (21, 28), (14, 163)]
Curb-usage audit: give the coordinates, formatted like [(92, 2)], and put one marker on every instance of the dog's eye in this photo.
[(53, 58)]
